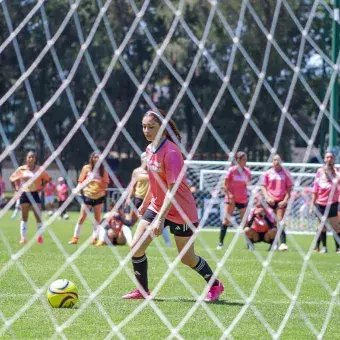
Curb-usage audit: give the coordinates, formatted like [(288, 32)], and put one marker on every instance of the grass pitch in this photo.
[(33, 316)]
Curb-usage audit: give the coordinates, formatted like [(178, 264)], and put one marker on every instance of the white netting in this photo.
[(206, 176)]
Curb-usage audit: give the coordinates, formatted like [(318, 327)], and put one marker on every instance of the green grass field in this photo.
[(175, 301)]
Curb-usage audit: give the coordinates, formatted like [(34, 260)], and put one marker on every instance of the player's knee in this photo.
[(248, 232)]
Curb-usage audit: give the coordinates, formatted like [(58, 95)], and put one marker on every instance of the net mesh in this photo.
[(206, 177)]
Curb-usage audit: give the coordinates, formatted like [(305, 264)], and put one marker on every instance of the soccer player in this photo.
[(236, 194), (2, 191), (167, 185), (325, 198), (261, 224), (276, 187), (30, 193), (139, 188), (62, 192), (49, 191), (93, 194), (16, 209)]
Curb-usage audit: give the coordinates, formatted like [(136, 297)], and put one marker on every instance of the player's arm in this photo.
[(133, 183), (227, 192), (314, 196), (15, 179), (146, 202)]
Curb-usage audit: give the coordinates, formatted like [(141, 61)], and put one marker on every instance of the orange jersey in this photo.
[(23, 174), (96, 187)]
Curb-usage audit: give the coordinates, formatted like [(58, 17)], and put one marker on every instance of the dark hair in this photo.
[(33, 154), (91, 163), (172, 124), (240, 154)]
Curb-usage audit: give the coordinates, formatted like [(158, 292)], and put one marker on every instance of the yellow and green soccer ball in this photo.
[(62, 294)]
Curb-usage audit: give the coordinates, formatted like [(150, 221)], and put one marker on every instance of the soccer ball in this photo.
[(62, 294)]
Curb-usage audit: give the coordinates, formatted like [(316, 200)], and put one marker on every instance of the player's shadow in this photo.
[(219, 302)]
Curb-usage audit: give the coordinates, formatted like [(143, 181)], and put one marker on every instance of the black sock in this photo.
[(204, 270), (324, 238), (140, 267), (223, 232), (283, 237), (337, 244)]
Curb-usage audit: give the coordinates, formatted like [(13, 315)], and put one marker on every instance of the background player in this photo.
[(93, 194), (30, 196), (236, 195), (276, 187), (62, 193), (49, 191)]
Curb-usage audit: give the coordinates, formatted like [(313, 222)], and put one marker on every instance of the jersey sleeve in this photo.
[(173, 166), (229, 174), (265, 181), (83, 174)]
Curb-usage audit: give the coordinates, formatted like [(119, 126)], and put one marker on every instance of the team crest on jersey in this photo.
[(154, 166)]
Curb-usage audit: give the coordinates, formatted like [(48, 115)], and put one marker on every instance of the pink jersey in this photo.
[(277, 183), (326, 188), (49, 189), (164, 167), (260, 223), (2, 187), (237, 183), (62, 192)]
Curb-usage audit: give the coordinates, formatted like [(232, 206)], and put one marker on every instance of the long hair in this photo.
[(91, 163), (171, 124)]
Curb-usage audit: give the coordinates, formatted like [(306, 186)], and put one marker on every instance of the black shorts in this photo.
[(239, 205), (332, 212), (34, 195), (93, 202), (261, 235), (137, 202), (182, 230)]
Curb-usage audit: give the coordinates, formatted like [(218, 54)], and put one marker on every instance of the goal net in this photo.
[(77, 76)]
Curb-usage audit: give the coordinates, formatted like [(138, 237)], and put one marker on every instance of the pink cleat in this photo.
[(215, 292), (135, 295), (40, 240)]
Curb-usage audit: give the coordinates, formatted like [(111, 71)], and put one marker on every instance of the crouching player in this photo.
[(261, 225)]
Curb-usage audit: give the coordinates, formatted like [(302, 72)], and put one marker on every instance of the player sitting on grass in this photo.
[(261, 224), (114, 231)]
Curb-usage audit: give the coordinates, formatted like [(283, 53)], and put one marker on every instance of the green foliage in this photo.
[(139, 55)]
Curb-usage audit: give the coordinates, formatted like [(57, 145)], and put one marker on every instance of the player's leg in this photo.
[(252, 237), (197, 263), (228, 213), (270, 235), (25, 207), (79, 225), (140, 243), (37, 214), (97, 211), (333, 221), (283, 238)]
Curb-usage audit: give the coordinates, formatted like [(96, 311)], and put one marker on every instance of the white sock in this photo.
[(77, 230), (128, 234), (102, 235), (166, 236), (39, 226), (23, 229), (95, 230)]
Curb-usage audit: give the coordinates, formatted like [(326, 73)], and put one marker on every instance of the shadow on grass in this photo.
[(219, 302)]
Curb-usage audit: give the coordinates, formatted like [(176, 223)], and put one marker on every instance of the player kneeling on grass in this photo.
[(260, 225)]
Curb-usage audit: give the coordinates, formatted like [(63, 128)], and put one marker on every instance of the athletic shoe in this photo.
[(215, 292), (135, 295), (74, 240), (94, 241), (23, 240), (219, 246), (65, 216), (323, 250), (50, 213), (338, 251), (40, 240), (13, 217), (100, 244), (316, 250), (283, 247)]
